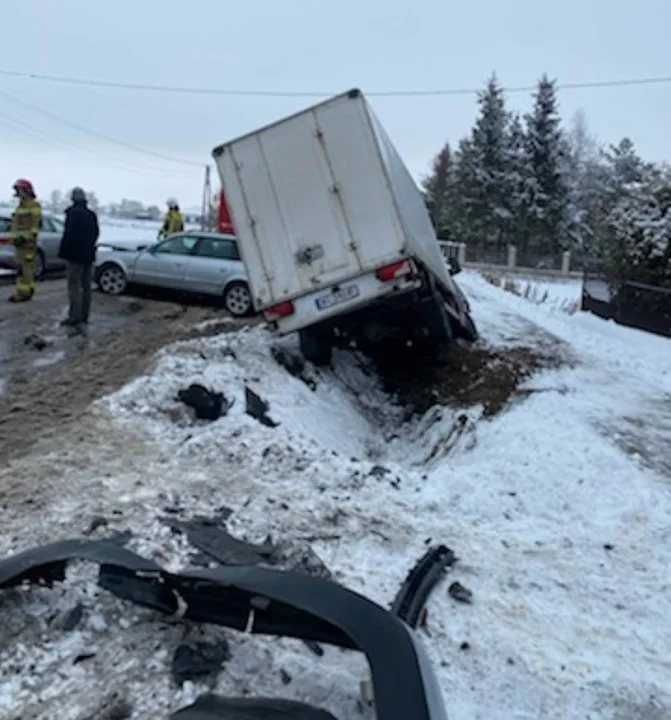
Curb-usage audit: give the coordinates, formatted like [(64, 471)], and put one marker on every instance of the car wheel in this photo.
[(112, 280), (40, 266), (238, 299)]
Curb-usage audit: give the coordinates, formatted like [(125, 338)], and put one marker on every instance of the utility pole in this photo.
[(206, 211)]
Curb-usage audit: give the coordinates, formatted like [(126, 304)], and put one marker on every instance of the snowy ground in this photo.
[(559, 509), (556, 294)]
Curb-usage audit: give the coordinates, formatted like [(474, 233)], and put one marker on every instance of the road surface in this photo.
[(48, 377)]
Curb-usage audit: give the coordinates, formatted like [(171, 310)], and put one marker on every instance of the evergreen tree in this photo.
[(627, 167), (637, 245), (547, 210), (586, 177), (487, 153), (439, 194), (518, 183), (467, 219)]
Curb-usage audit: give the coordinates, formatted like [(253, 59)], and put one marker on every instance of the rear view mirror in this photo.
[(453, 266)]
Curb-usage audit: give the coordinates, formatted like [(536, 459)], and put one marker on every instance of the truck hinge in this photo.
[(319, 134), (335, 188)]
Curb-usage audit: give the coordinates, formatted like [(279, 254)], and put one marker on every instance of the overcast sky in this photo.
[(302, 45)]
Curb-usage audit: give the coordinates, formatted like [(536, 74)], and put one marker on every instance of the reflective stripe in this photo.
[(27, 220)]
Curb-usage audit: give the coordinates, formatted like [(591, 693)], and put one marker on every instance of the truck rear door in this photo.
[(316, 206)]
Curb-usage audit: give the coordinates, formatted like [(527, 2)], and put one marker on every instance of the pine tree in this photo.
[(518, 182), (488, 154), (467, 218), (547, 211), (587, 178), (637, 245), (439, 194)]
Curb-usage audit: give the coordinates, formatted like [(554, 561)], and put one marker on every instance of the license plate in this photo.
[(336, 298)]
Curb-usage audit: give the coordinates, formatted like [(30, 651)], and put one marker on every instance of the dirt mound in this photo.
[(466, 376)]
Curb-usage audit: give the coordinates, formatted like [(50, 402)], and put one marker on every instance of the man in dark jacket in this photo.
[(78, 248)]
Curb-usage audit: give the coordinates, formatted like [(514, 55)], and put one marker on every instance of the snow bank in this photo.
[(561, 527)]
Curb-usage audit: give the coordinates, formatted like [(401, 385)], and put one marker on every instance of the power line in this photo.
[(21, 127), (100, 136), (63, 79)]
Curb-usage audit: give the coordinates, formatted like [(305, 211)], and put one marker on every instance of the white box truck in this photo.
[(335, 235)]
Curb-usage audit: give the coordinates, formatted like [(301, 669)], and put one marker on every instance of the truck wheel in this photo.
[(469, 331), (316, 347), (436, 320)]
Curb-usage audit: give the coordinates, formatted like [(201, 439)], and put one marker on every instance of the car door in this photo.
[(165, 264), (6, 247), (215, 261), (49, 240)]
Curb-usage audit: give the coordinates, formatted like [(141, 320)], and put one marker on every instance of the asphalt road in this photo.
[(49, 376)]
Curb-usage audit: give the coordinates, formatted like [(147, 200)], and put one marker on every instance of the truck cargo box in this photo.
[(320, 198)]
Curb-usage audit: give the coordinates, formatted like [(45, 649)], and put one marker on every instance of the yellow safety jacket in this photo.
[(174, 223), (26, 223)]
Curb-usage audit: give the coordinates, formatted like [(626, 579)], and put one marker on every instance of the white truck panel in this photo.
[(419, 232), (318, 182)]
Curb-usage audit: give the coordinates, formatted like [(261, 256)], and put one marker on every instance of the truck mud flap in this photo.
[(420, 582)]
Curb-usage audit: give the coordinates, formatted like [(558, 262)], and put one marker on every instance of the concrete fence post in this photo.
[(512, 257), (566, 262), (461, 254)]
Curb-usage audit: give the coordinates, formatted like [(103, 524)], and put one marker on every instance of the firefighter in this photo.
[(26, 225), (174, 220)]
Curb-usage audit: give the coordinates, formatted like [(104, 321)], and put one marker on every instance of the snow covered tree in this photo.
[(637, 245), (549, 196), (518, 182), (482, 175), (94, 203), (56, 201), (439, 194), (587, 179), (626, 165)]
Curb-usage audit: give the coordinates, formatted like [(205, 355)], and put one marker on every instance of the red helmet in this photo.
[(23, 184)]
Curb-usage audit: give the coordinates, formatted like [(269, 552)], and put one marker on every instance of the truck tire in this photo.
[(316, 347), (436, 320), (469, 332)]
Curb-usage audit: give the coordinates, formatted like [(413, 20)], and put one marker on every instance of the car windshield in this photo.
[(57, 224)]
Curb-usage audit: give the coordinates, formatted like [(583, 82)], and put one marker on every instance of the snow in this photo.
[(559, 510), (556, 294)]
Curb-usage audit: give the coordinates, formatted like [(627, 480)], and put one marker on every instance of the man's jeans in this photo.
[(79, 291)]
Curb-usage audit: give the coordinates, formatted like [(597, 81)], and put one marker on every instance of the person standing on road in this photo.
[(26, 225), (78, 249), (174, 220)]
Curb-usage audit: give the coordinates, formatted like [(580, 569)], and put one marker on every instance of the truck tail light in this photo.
[(396, 270), (282, 310)]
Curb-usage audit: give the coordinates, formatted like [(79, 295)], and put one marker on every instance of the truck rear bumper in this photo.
[(327, 305)]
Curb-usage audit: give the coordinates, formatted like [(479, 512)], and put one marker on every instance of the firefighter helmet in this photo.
[(172, 203), (23, 184)]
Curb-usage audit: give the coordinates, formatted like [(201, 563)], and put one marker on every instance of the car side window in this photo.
[(180, 245), (48, 225), (5, 225), (219, 248)]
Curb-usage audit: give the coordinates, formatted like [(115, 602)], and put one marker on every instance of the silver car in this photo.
[(191, 262), (48, 244)]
